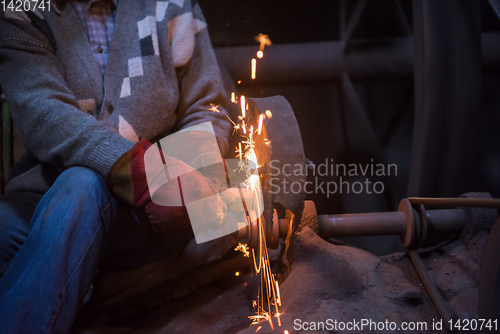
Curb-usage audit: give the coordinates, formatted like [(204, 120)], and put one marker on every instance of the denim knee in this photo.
[(78, 191), (16, 210), (81, 180)]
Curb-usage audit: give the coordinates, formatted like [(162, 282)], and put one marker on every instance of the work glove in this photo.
[(161, 184)]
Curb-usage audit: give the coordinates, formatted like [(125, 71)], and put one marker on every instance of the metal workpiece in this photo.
[(250, 233), (412, 222), (446, 220), (362, 224), (283, 146), (286, 148), (408, 222), (279, 144)]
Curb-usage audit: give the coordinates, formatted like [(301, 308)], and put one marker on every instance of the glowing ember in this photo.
[(243, 106), (233, 97), (254, 67), (243, 247), (269, 114), (260, 54), (261, 119), (237, 273), (264, 41), (239, 82), (214, 108), (258, 329), (285, 332)]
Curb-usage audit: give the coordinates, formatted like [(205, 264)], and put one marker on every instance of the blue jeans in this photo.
[(56, 243)]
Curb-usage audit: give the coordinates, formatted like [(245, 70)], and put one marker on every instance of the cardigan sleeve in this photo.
[(46, 113), (201, 87)]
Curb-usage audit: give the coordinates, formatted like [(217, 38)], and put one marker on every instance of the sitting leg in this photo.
[(75, 225), (16, 210)]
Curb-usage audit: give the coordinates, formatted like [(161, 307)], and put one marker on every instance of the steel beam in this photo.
[(320, 62), (353, 23), (447, 40), (495, 5)]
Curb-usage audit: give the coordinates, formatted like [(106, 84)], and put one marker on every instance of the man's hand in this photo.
[(173, 185)]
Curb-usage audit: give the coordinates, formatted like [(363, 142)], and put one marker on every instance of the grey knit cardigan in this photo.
[(161, 76)]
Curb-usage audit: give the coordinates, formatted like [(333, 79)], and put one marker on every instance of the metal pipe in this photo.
[(446, 220), (362, 224), (469, 202), (386, 223), (443, 308), (324, 61)]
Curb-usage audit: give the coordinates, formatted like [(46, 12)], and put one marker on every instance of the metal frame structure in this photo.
[(446, 36)]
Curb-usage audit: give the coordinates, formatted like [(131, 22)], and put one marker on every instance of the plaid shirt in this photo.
[(98, 17)]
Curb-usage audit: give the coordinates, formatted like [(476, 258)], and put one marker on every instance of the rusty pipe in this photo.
[(386, 223), (362, 224)]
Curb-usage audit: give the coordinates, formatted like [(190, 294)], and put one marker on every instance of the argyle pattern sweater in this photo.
[(161, 76)]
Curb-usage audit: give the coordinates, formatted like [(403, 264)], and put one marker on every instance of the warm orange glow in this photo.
[(214, 108), (261, 119), (285, 332), (263, 40), (268, 294), (258, 329), (243, 105), (242, 247), (254, 67), (237, 273), (278, 296)]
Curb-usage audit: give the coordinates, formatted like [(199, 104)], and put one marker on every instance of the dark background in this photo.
[(389, 103)]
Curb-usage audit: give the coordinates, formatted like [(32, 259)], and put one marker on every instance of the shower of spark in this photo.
[(268, 297)]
